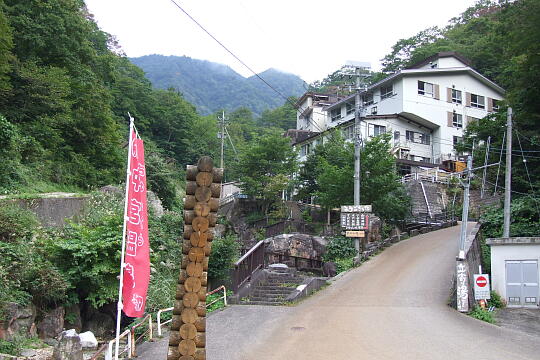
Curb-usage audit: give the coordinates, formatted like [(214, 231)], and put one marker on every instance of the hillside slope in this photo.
[(212, 86)]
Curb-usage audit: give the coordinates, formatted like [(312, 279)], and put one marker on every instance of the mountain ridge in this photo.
[(213, 86)]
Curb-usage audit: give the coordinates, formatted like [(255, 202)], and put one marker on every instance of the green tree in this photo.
[(268, 156), (283, 117), (329, 171), (6, 44)]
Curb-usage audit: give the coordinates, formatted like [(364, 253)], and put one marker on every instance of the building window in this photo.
[(307, 120), (368, 99), (376, 130), (417, 137), (478, 101), (456, 96), (387, 91), (457, 120), (426, 89), (456, 140), (350, 107), (305, 149), (348, 132), (495, 104), (335, 114)]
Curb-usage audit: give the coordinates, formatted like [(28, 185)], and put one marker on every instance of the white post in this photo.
[(119, 307)]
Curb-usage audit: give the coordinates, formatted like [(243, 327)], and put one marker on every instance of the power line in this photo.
[(527, 171), (238, 59)]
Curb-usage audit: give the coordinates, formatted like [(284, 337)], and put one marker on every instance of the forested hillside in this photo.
[(211, 86), (65, 94)]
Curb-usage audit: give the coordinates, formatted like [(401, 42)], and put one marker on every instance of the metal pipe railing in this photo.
[(134, 338), (110, 355), (159, 323), (224, 297)]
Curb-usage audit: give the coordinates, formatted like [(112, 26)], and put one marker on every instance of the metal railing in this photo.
[(159, 323), (110, 350), (248, 264), (431, 175), (131, 340), (224, 297), (134, 339)]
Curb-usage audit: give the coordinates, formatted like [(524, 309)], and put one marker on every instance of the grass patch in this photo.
[(482, 314), (220, 304)]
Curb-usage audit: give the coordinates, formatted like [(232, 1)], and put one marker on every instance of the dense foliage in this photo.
[(212, 87), (327, 175), (266, 167), (340, 250), (80, 262), (225, 251)]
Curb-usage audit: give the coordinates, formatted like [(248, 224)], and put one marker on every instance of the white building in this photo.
[(426, 107), (514, 270)]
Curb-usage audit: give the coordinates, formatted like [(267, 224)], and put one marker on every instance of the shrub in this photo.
[(496, 300), (225, 252), (344, 264), (341, 251), (482, 314), (339, 247), (16, 224)]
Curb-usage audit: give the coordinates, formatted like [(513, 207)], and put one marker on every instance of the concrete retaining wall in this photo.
[(54, 211)]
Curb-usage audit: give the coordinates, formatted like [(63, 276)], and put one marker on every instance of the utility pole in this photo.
[(485, 168), (508, 175), (465, 214), (357, 139), (222, 120), (359, 67)]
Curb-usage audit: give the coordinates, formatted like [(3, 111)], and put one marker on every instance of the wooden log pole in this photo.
[(187, 339)]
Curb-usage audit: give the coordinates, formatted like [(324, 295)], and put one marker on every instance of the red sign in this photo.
[(481, 281), (137, 254)]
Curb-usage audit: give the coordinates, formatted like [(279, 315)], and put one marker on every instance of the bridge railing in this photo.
[(248, 264)]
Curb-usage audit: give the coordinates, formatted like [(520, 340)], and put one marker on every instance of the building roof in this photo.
[(438, 56), (417, 70), (298, 136)]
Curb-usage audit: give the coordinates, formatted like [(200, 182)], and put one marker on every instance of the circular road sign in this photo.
[(481, 281)]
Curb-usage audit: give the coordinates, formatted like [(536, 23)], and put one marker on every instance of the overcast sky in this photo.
[(307, 38)]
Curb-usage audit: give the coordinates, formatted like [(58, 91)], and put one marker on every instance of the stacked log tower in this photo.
[(188, 327)]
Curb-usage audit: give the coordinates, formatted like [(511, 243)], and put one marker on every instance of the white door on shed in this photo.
[(522, 283)]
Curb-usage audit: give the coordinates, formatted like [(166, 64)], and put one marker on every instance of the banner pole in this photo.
[(120, 288)]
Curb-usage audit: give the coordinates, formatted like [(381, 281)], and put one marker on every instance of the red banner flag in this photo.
[(137, 248)]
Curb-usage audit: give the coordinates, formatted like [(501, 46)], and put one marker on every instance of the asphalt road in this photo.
[(391, 307)]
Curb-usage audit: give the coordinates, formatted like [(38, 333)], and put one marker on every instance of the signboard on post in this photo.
[(354, 221), (481, 287), (355, 233), (462, 287), (356, 208)]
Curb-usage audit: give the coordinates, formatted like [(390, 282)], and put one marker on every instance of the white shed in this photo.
[(514, 270)]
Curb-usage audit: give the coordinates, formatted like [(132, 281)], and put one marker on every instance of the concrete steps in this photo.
[(274, 290)]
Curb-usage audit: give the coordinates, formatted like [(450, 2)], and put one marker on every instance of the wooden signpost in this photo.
[(187, 339), (355, 223)]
